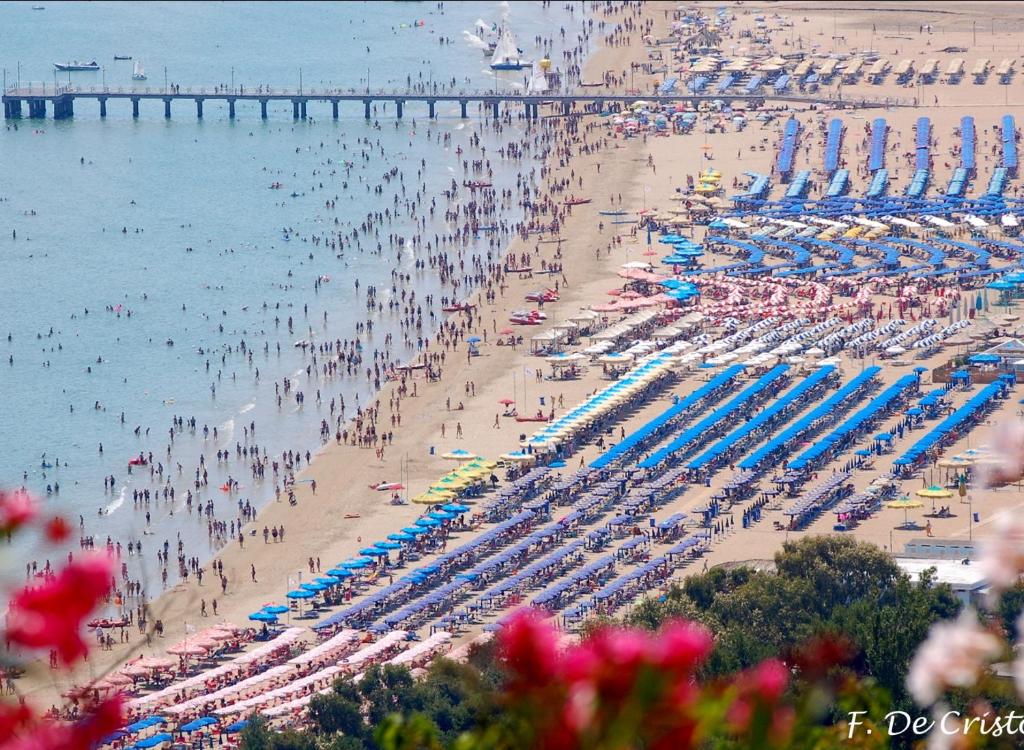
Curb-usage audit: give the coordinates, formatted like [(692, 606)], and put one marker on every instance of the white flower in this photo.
[(1002, 556), (1007, 441), (953, 655), (939, 738)]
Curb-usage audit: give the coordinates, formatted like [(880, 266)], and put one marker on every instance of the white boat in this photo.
[(506, 53), (77, 65), (138, 74), (538, 81)]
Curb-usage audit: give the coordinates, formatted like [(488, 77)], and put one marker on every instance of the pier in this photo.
[(60, 102)]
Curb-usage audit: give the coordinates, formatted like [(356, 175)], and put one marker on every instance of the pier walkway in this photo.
[(60, 101)]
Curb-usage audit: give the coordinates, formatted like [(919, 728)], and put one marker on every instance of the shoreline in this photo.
[(178, 607)]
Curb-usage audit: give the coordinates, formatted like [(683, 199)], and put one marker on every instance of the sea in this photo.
[(139, 254)]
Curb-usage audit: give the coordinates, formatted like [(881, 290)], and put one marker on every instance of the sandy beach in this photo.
[(634, 175)]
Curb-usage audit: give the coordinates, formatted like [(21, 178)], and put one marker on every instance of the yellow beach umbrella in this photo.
[(934, 492), (459, 454), (426, 499), (906, 504)]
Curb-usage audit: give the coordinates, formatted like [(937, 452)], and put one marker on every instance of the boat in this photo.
[(538, 80), (138, 73), (578, 201), (547, 295), (122, 57), (506, 53), (474, 184), (38, 7), (458, 307), (77, 65)]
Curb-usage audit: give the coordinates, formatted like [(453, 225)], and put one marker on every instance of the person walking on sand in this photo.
[(252, 572)]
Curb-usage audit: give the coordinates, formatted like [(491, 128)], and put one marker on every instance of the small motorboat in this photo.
[(139, 460), (93, 66), (546, 295), (474, 184), (577, 201), (457, 307), (527, 317), (122, 57)]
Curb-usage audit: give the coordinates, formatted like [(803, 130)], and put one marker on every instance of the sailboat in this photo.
[(138, 74), (538, 83), (506, 53)]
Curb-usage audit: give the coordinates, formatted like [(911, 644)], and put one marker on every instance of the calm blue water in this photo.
[(173, 221)]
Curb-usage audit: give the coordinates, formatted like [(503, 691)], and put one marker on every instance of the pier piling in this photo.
[(199, 108), (334, 109), (263, 108), (103, 107), (135, 106)]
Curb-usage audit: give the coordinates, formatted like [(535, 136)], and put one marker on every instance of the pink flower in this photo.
[(16, 509), (1002, 556), (681, 646), (57, 529), (529, 647), (50, 615), (1007, 442), (768, 680), (953, 655), (21, 729)]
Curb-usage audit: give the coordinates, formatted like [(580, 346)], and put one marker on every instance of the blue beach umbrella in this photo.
[(427, 522), (414, 530), (373, 551), (474, 339), (358, 562), (238, 726), (155, 740), (455, 508), (192, 726), (340, 573), (327, 581), (300, 594), (441, 515), (263, 617), (312, 586), (388, 545), (401, 536), (275, 609)]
